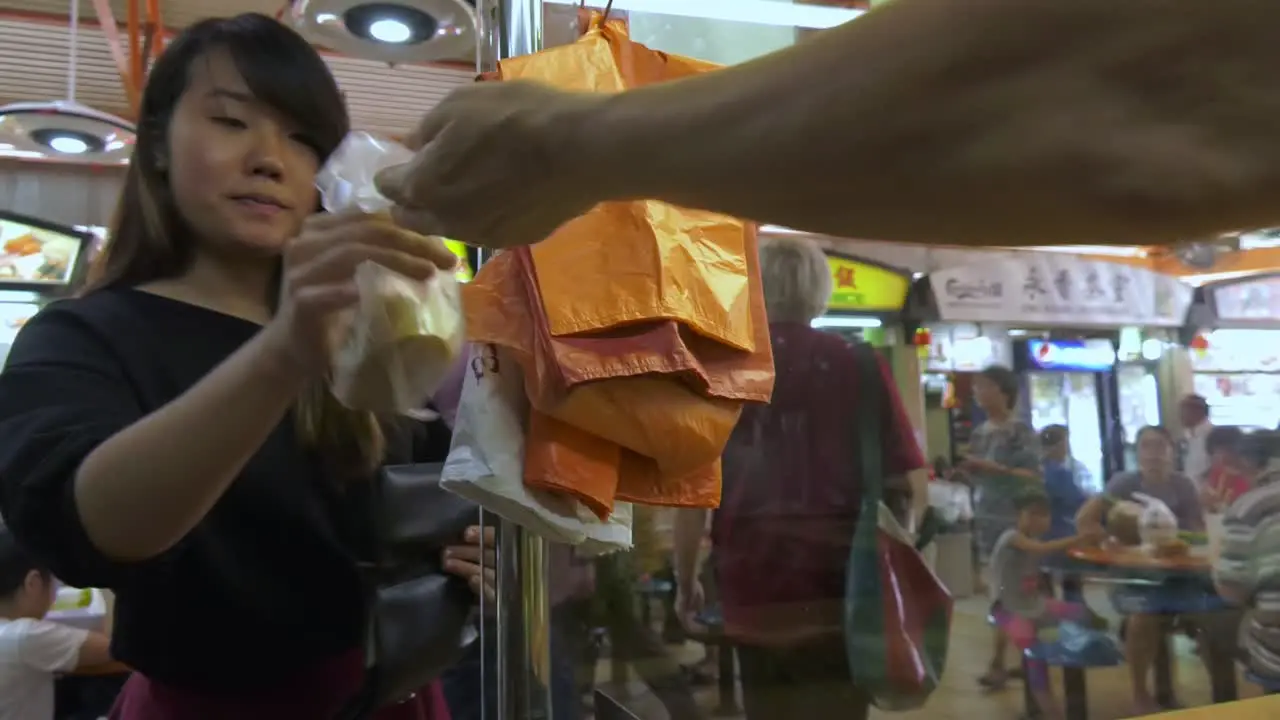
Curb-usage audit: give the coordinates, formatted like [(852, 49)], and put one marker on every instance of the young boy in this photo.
[(1020, 608), (31, 648)]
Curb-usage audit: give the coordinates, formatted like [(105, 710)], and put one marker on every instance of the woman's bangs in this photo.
[(286, 74)]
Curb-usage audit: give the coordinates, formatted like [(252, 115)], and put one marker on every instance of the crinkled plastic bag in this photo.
[(1157, 524), (486, 460), (404, 335)]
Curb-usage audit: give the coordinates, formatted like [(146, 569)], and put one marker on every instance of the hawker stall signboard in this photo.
[(1060, 289), (864, 287)]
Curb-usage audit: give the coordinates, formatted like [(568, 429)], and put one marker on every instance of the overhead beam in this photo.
[(167, 33), (129, 79)]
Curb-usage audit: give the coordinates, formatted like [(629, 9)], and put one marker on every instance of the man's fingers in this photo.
[(432, 124), (422, 222)]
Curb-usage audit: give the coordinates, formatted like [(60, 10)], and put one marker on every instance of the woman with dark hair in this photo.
[(1156, 478), (1003, 462), (170, 435)]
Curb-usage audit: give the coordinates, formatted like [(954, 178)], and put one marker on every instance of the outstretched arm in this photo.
[(996, 122)]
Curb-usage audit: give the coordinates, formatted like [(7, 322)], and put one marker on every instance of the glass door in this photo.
[(1138, 395), (1071, 399)]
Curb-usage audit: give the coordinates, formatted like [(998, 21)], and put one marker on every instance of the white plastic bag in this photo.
[(486, 461), (952, 501), (403, 335), (1157, 525), (612, 535)]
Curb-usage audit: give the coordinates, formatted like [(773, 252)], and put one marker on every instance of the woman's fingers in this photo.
[(338, 264), (322, 234), (475, 561)]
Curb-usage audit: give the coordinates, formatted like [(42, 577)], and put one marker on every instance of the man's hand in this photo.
[(499, 165), (690, 600)]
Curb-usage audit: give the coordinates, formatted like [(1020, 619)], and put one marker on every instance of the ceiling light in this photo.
[(758, 12), (390, 31), (394, 32), (845, 321), (64, 131)]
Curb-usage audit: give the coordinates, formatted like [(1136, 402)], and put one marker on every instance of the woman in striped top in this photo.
[(1247, 570)]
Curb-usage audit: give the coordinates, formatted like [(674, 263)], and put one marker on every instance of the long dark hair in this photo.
[(149, 238)]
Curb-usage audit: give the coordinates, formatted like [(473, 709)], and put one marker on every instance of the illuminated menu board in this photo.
[(32, 254)]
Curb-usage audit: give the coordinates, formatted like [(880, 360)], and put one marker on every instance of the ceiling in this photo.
[(35, 44)]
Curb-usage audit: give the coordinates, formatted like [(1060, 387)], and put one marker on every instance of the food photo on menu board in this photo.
[(34, 252)]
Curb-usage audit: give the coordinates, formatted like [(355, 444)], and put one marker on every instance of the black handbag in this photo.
[(418, 617)]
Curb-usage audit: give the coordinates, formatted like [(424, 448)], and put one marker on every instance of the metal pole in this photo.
[(522, 665)]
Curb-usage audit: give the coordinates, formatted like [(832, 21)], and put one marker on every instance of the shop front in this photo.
[(1086, 336), (1235, 355)]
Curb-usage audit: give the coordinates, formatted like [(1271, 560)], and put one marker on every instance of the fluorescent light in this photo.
[(845, 321), (758, 12), (1110, 250), (1152, 349)]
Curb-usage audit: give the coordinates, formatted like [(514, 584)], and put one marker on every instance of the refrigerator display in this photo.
[(1138, 397), (1071, 399)]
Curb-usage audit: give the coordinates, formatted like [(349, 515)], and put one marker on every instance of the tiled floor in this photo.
[(960, 698)]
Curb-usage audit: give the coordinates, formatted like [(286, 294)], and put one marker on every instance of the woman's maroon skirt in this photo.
[(315, 695)]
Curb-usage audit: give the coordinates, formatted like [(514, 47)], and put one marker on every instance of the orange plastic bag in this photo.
[(628, 262), (562, 458), (662, 418)]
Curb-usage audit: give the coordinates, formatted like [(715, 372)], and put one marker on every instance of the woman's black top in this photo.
[(266, 585)]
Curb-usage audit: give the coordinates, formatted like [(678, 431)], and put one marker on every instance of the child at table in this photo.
[(1020, 607), (32, 649)]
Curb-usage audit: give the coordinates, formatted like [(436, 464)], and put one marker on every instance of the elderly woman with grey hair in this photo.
[(781, 538)]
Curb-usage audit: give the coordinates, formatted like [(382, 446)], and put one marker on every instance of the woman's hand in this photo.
[(318, 279), (472, 564)]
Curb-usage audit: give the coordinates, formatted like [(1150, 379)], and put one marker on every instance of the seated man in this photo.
[(1245, 571)]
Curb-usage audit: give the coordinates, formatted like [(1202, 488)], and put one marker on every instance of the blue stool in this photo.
[(1270, 686), (649, 590), (1074, 650), (726, 683)]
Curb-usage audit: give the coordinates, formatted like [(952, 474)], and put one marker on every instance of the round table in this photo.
[(1122, 558), (1160, 581)]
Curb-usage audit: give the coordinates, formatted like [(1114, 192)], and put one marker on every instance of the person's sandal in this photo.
[(994, 680)]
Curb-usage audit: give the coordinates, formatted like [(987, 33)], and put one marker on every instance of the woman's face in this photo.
[(242, 175), (988, 396), (1155, 453)]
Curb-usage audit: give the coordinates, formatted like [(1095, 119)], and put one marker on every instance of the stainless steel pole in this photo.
[(521, 666)]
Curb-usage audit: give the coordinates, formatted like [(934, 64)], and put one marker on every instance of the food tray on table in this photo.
[(1136, 557)]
